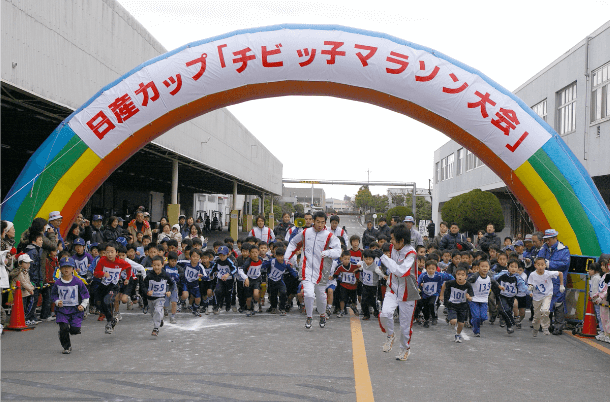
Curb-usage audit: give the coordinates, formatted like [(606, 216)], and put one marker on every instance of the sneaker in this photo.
[(114, 322), (354, 308), (270, 309), (253, 312), (534, 333), (155, 332), (50, 319), (102, 317), (207, 310), (145, 309), (426, 324), (510, 330), (282, 313), (129, 305), (248, 313), (340, 314), (234, 309), (491, 322), (308, 322), (172, 320), (403, 355), (546, 331), (108, 328), (260, 309), (196, 313), (365, 318), (518, 325), (387, 346), (240, 310), (161, 323), (477, 335), (227, 309), (165, 312), (502, 324), (434, 321), (67, 351), (322, 321), (458, 338), (215, 311), (118, 316)]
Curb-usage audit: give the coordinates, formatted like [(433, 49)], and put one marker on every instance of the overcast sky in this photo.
[(508, 41)]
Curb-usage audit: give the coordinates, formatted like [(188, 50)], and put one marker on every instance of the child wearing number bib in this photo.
[(276, 268), (540, 286), (510, 284), (482, 284), (455, 294), (250, 272), (430, 283), (349, 276), (369, 276), (158, 285), (71, 298)]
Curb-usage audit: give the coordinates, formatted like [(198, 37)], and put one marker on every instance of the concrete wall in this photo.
[(65, 51)]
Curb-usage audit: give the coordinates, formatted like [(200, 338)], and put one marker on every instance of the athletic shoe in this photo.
[(282, 313), (510, 330), (477, 335), (227, 309), (322, 321), (491, 322), (109, 328), (270, 309), (165, 312), (534, 333), (327, 315), (102, 317), (155, 332), (215, 311), (67, 351), (196, 313), (206, 310), (129, 305), (427, 324), (50, 318), (387, 346), (403, 355), (365, 318), (260, 309), (36, 321), (145, 309), (546, 331), (434, 321), (502, 324), (234, 309), (340, 314), (118, 316), (172, 320), (458, 338), (518, 325), (114, 322), (240, 310), (308, 322), (161, 323), (253, 312), (248, 313)]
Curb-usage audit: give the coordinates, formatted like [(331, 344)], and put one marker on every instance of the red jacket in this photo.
[(51, 266)]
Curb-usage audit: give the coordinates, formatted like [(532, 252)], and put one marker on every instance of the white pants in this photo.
[(405, 309), (315, 293), (156, 310)]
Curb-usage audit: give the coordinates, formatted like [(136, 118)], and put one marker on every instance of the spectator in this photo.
[(439, 237), (163, 221), (175, 233), (112, 231), (165, 232), (369, 235), (185, 229), (450, 240), (281, 229), (49, 241), (139, 224), (73, 234), (383, 228), (8, 242), (489, 239), (94, 233), (416, 239), (195, 233)]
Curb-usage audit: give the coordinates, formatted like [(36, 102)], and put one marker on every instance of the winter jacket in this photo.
[(133, 228), (384, 230), (263, 234), (416, 239), (315, 268), (21, 275), (451, 240), (558, 256), (281, 229), (111, 234), (48, 243), (489, 240), (93, 235), (437, 240), (402, 279), (37, 266), (369, 236)]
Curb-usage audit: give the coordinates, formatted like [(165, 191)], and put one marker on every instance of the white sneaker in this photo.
[(210, 309), (387, 346), (403, 355), (118, 316)]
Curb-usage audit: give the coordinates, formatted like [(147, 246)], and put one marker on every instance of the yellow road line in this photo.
[(589, 342), (364, 388)]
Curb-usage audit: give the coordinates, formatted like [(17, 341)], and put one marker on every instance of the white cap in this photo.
[(24, 258), (54, 215), (176, 226)]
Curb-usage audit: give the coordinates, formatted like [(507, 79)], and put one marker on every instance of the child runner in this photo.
[(158, 284), (349, 274), (71, 297), (251, 274), (456, 294), (540, 286), (192, 272), (512, 283), (369, 276), (172, 300), (430, 283), (276, 268), (481, 286), (225, 269)]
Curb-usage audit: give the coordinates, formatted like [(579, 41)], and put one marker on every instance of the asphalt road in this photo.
[(230, 357)]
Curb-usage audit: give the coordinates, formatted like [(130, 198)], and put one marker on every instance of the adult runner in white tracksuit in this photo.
[(401, 290), (320, 247)]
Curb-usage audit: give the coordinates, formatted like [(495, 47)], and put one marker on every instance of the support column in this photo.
[(247, 223), (271, 216), (173, 209), (414, 204), (234, 223)]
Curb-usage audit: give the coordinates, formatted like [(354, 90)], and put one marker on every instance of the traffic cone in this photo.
[(589, 326), (17, 315)]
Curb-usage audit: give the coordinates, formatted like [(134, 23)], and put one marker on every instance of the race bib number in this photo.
[(348, 277), (254, 271), (482, 289), (367, 278), (158, 288), (114, 276), (223, 270), (429, 288), (275, 274), (541, 288), (457, 296), (81, 266), (191, 274), (68, 295), (510, 289)]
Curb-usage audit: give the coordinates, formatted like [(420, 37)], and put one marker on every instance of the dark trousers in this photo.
[(369, 299), (347, 296), (143, 291), (65, 330), (505, 307), (241, 294), (45, 312), (428, 304), (275, 289), (224, 292), (105, 299), (29, 307)]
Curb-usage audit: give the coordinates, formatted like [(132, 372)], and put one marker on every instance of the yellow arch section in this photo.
[(549, 204)]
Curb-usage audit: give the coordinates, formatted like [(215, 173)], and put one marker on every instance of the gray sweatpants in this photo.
[(156, 310)]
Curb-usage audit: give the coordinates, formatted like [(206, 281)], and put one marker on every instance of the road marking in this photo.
[(589, 342), (364, 388)]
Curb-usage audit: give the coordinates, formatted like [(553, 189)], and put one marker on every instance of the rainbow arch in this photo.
[(323, 60)]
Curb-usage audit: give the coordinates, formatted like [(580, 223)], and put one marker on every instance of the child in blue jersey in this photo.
[(207, 284), (70, 296), (430, 283), (225, 270), (521, 298), (250, 272), (481, 283), (158, 285), (456, 293), (276, 268), (446, 260), (192, 272), (510, 283), (172, 270)]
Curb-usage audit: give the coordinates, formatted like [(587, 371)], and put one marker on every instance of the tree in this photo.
[(364, 198), (422, 206), (398, 200), (381, 203), (299, 208), (474, 210), (288, 207), (401, 212)]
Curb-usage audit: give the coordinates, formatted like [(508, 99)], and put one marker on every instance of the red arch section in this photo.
[(284, 88)]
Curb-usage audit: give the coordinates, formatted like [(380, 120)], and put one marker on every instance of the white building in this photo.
[(572, 94), (338, 205)]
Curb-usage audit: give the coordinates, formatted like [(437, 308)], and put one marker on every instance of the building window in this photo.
[(450, 163), (438, 171), (443, 169), (472, 161), (459, 169), (540, 109), (600, 105), (566, 99)]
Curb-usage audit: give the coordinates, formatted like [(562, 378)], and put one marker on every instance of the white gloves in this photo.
[(530, 288), (324, 253), (562, 288)]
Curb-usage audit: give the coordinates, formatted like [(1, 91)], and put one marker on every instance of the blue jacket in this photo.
[(514, 279), (275, 270), (450, 241), (431, 287), (37, 269), (558, 256)]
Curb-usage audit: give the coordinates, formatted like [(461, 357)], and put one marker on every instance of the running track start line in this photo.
[(364, 388)]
